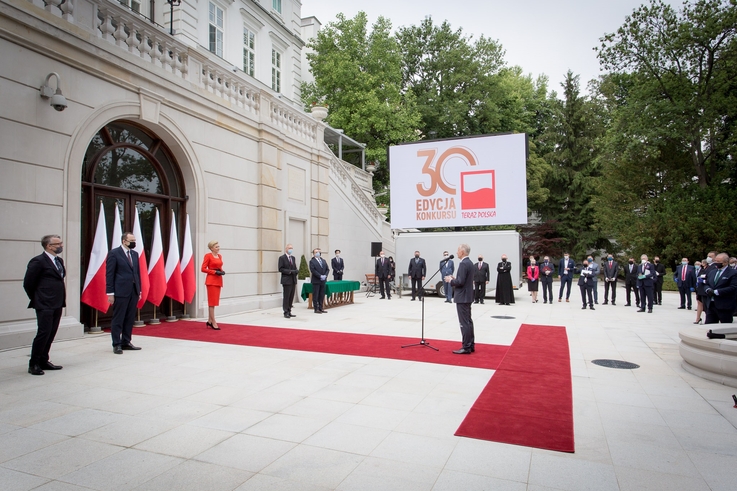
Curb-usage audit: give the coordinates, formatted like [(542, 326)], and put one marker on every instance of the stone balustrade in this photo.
[(151, 43)]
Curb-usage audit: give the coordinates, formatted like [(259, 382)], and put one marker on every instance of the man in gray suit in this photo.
[(595, 270), (463, 296)]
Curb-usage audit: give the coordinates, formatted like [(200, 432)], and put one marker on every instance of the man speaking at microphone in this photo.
[(463, 297)]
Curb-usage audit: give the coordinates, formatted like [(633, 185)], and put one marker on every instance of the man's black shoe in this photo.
[(287, 316), (650, 311), (51, 366), (628, 305), (641, 310), (35, 370), (323, 311), (605, 302), (292, 315), (117, 350), (592, 307), (681, 307), (130, 347), (462, 352), (614, 303)]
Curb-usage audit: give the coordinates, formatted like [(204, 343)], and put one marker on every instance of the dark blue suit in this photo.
[(646, 279), (318, 269), (685, 287), (123, 281), (565, 278), (723, 295), (463, 297)]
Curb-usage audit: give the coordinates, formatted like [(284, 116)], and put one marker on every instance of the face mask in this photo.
[(632, 261), (643, 261), (317, 254), (684, 262), (657, 261), (290, 251), (132, 245), (709, 260), (481, 259), (719, 265), (585, 264), (533, 263), (546, 259), (565, 257), (417, 256), (445, 255), (609, 258), (591, 259), (337, 255), (59, 250), (504, 259), (382, 256)]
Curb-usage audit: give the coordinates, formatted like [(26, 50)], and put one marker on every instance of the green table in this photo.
[(336, 292)]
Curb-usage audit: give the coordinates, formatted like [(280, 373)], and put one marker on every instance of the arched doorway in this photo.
[(127, 165)]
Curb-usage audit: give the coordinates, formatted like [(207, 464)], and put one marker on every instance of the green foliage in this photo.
[(571, 137), (358, 74), (304, 270)]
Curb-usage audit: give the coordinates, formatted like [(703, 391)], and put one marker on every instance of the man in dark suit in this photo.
[(123, 291), (288, 269), (630, 282), (660, 272), (547, 270), (44, 285), (685, 278), (586, 284), (462, 285), (480, 280), (337, 264), (565, 273), (611, 269), (318, 277), (646, 283), (721, 288), (383, 270), (417, 272)]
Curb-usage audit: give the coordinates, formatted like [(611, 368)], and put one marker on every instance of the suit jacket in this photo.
[(649, 279), (660, 269), (690, 277), (337, 264), (725, 289), (463, 282), (318, 269), (586, 277), (123, 276), (562, 268), (383, 271), (481, 275), (44, 285), (546, 267), (288, 269), (446, 268), (417, 268), (533, 272), (633, 275), (210, 264), (611, 271), (595, 270)]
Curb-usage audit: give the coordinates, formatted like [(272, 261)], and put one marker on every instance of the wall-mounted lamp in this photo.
[(58, 101)]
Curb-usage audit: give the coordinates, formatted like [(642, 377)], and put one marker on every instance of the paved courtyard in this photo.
[(184, 415)]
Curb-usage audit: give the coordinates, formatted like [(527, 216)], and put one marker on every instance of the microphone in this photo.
[(448, 258)]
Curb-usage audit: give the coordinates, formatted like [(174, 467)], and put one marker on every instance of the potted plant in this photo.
[(319, 110), (304, 273)]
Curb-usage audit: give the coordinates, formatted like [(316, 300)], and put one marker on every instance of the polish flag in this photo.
[(142, 267), (156, 274), (187, 267), (117, 229), (94, 292), (174, 287)]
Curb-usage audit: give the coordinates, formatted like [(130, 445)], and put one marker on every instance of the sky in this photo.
[(541, 36)]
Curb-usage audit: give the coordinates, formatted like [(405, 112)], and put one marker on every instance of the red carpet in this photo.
[(487, 355), (529, 400)]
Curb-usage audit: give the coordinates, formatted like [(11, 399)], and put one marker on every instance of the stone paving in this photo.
[(184, 415)]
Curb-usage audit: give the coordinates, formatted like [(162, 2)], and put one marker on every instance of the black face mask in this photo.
[(132, 245), (481, 259), (59, 250), (719, 265), (504, 259), (632, 262)]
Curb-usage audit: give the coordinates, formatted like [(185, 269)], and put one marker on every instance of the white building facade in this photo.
[(206, 122)]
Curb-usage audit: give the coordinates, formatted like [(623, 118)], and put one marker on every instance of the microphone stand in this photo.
[(423, 341)]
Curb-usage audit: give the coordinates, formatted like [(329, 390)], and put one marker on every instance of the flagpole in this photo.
[(139, 322), (154, 319), (96, 328), (171, 317)]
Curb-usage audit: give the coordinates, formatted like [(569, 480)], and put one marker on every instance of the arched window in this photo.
[(128, 166)]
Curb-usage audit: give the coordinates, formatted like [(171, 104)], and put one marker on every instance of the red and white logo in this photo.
[(478, 190)]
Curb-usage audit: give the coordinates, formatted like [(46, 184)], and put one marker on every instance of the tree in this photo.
[(359, 75), (576, 124), (684, 67)]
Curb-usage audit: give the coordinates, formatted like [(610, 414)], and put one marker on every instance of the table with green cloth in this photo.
[(336, 293)]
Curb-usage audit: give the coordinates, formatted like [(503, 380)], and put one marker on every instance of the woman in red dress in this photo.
[(533, 275), (212, 264)]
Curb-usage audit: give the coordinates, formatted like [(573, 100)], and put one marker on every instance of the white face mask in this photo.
[(565, 257), (709, 260), (644, 261)]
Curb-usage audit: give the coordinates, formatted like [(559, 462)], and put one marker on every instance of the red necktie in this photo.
[(683, 278)]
